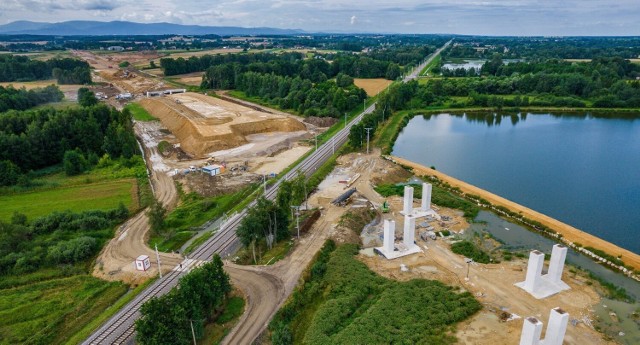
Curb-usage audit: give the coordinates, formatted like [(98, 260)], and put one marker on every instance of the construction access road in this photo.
[(120, 328)]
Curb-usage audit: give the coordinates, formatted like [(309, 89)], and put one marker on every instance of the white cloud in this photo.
[(353, 20)]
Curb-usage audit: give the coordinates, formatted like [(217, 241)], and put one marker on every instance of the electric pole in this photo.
[(297, 208), (158, 259), (368, 129), (345, 120), (193, 333), (264, 183)]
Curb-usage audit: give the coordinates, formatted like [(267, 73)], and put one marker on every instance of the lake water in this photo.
[(469, 64), (582, 170)]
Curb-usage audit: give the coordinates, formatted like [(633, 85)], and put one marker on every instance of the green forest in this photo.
[(65, 71), (35, 139), (343, 302), (199, 298), (22, 99)]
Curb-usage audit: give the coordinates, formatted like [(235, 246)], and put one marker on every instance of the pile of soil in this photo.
[(321, 121)]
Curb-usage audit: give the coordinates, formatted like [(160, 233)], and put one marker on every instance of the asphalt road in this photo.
[(120, 329)]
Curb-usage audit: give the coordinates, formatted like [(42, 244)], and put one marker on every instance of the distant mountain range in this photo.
[(94, 28)]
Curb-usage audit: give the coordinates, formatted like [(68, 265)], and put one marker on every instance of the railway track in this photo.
[(120, 329)]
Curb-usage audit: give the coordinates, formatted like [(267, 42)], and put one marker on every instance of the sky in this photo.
[(493, 17)]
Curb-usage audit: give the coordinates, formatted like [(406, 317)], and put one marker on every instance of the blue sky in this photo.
[(504, 17)]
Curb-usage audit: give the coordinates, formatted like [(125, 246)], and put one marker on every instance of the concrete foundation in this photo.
[(542, 286), (426, 197), (534, 271), (409, 237), (556, 265), (392, 250), (557, 327), (389, 235), (408, 200), (531, 331)]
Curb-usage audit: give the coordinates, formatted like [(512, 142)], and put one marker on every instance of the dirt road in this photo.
[(568, 232), (116, 261), (262, 291)]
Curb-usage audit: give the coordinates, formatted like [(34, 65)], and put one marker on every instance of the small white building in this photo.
[(115, 48), (143, 263)]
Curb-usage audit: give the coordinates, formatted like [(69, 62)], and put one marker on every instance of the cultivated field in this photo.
[(372, 86), (193, 79)]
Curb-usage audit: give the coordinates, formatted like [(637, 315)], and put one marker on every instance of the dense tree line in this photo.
[(607, 82), (21, 68), (61, 238), (377, 63), (545, 47), (301, 95), (35, 139), (22, 99), (198, 299)]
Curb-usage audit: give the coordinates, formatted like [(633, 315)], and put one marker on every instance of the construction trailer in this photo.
[(213, 170)]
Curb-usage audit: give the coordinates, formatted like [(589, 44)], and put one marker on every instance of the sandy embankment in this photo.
[(569, 233)]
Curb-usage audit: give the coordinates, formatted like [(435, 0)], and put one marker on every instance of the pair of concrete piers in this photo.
[(408, 246), (556, 329), (541, 286)]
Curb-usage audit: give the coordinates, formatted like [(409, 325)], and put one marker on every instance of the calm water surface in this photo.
[(581, 170)]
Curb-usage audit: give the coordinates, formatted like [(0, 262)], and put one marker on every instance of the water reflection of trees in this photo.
[(495, 119)]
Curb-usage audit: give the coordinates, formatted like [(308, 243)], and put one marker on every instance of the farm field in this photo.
[(191, 79), (372, 86)]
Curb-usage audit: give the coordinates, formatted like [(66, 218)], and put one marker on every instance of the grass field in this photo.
[(83, 197), (102, 188), (50, 312), (139, 113)]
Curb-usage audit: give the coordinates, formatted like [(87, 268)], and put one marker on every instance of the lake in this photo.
[(581, 170)]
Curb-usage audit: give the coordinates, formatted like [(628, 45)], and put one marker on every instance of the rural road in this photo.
[(262, 291)]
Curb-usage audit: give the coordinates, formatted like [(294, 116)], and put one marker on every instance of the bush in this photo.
[(86, 97), (74, 163), (73, 251), (470, 250)]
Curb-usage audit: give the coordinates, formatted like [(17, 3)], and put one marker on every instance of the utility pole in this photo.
[(158, 259), (264, 183), (368, 129), (345, 120), (316, 142), (297, 208), (306, 202), (333, 143)]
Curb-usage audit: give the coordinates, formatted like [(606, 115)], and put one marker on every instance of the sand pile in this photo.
[(204, 124)]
